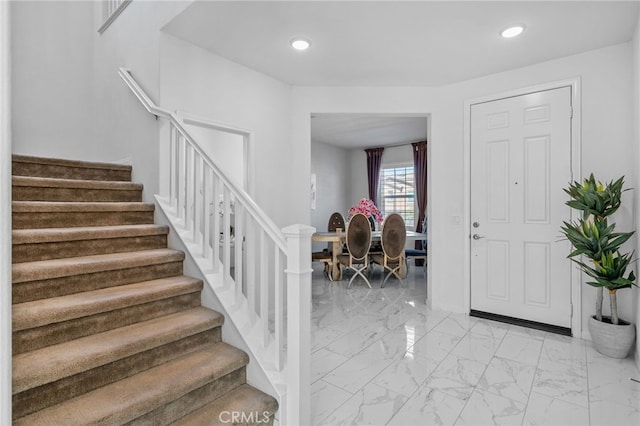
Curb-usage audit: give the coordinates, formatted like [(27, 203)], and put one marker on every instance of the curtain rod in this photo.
[(396, 144)]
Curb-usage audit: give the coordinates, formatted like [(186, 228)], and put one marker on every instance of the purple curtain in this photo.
[(374, 161), (420, 174)]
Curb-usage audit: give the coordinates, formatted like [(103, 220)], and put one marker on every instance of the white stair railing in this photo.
[(257, 266), (110, 11)]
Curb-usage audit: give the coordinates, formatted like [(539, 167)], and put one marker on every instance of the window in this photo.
[(397, 193)]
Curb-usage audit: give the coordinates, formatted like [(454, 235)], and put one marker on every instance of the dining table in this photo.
[(338, 238)]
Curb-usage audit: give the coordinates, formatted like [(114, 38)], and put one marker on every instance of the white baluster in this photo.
[(239, 217), (181, 177), (226, 245), (198, 204), (215, 243), (206, 226), (278, 311), (252, 265), (264, 288), (173, 162)]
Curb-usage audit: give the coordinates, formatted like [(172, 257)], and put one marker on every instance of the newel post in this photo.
[(298, 404)]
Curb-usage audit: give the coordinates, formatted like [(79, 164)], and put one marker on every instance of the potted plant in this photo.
[(596, 249)]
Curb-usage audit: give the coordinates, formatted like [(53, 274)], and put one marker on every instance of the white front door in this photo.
[(520, 161)]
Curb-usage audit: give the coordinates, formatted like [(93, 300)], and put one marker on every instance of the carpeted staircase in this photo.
[(106, 329)]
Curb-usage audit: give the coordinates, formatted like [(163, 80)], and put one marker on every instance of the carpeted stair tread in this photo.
[(75, 183), (256, 406), (46, 269), (50, 206), (64, 308), (125, 400), (47, 235), (70, 169), (52, 363)]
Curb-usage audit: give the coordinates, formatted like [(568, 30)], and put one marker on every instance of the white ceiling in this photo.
[(360, 131), (396, 43)]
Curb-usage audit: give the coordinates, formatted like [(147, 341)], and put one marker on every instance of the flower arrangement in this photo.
[(367, 208)]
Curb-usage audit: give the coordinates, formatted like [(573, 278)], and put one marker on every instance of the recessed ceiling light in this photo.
[(299, 43), (512, 31)]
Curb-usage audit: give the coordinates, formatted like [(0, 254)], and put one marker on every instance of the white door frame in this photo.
[(576, 150)]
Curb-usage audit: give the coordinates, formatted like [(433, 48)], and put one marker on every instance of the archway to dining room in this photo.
[(342, 174)]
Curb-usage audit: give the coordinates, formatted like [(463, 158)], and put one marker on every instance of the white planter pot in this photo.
[(612, 340)]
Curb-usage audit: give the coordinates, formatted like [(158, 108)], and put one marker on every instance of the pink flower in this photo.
[(367, 208)]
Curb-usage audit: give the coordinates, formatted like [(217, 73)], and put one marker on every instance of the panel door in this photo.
[(520, 161)]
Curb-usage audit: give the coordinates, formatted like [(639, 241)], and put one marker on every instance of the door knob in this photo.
[(477, 237), (476, 224)]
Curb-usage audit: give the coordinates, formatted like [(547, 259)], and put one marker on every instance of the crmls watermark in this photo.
[(241, 417)]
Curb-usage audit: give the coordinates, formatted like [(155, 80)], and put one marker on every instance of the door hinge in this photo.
[(571, 305), (570, 112)]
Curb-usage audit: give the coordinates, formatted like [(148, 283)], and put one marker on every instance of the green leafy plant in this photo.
[(594, 239)]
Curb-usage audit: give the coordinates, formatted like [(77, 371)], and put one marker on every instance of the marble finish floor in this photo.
[(380, 357)]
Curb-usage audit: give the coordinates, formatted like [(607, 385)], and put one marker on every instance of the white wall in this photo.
[(196, 81), (68, 99), (333, 179), (52, 79), (225, 149), (636, 163), (606, 143)]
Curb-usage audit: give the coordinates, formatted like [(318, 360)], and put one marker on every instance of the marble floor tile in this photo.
[(324, 361), (564, 386), (428, 407), (322, 337), (456, 324), (609, 414), (381, 356), (485, 408), (435, 345), (564, 355), (456, 376), (394, 344), (546, 411), (357, 371), (371, 405), (510, 379), (325, 399), (477, 347), (406, 374), (520, 348), (493, 329), (530, 333), (357, 340)]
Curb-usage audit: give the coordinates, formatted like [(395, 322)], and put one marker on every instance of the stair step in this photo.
[(46, 214), (55, 243), (48, 322), (139, 395), (46, 365), (65, 308), (243, 405), (26, 188), (24, 165), (59, 277)]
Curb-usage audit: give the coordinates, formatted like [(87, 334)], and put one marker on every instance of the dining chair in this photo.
[(336, 221), (417, 253), (358, 238), (393, 238)]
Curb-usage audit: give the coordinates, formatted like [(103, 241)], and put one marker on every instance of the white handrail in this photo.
[(256, 258), (255, 211), (111, 10)]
